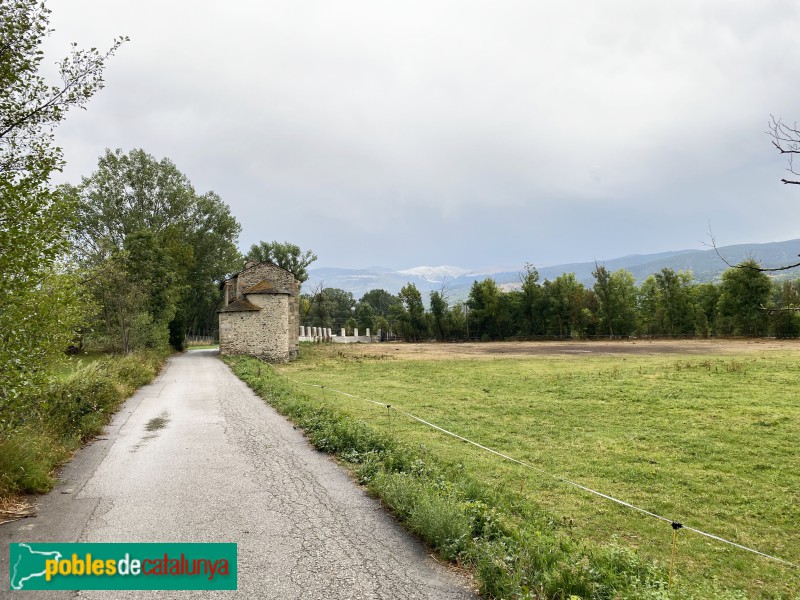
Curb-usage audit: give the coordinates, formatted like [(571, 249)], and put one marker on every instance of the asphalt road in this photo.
[(225, 467)]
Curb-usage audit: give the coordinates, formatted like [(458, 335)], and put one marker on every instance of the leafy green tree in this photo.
[(331, 307), (439, 315), (350, 325), (674, 306), (616, 293), (706, 296), (41, 305), (457, 320), (666, 304), (484, 309), (136, 291), (531, 302), (285, 255), (744, 293), (566, 316), (785, 311), (591, 314), (411, 314), (123, 322), (365, 316), (194, 235), (381, 301), (647, 307)]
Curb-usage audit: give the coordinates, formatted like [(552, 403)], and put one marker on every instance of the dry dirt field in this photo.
[(440, 351)]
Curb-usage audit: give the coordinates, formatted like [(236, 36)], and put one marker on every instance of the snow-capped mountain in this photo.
[(706, 265), (435, 274)]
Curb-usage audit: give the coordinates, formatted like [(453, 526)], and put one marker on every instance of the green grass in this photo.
[(44, 427), (709, 441)]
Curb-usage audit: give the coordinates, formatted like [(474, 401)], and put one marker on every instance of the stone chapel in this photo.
[(261, 313)]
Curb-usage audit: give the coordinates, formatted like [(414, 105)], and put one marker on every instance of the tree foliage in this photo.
[(410, 315), (34, 220), (177, 244), (285, 255), (329, 307), (381, 301), (743, 296), (616, 293)]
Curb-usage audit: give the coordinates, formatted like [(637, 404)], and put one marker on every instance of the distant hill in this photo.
[(706, 266)]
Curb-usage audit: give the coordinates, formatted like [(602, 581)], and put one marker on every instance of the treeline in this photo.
[(746, 302)]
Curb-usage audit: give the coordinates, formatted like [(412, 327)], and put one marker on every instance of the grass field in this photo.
[(707, 435)]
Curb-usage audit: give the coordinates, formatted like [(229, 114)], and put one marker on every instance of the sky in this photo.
[(475, 134)]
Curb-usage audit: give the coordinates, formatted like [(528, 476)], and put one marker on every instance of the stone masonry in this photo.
[(261, 313)]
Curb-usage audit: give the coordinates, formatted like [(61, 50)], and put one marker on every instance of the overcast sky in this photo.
[(465, 133)]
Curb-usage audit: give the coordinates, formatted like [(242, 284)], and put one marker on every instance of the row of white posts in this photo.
[(325, 334)]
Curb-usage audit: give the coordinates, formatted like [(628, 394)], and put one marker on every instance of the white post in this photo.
[(343, 332), (368, 335), (355, 332), (302, 331)]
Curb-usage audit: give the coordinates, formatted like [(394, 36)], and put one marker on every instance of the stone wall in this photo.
[(254, 274), (264, 333)]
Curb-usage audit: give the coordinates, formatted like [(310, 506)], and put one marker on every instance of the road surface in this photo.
[(197, 457)]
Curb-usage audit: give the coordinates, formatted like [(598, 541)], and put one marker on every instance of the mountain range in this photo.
[(706, 265)]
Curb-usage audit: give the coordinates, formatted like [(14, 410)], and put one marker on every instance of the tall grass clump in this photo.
[(44, 427), (515, 551)]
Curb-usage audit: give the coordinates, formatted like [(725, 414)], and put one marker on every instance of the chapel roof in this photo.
[(266, 287), (240, 306)]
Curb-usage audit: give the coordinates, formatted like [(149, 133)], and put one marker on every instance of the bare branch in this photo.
[(783, 150), (779, 309), (750, 267)]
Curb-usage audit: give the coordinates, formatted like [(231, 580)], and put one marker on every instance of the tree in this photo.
[(648, 319), (381, 301), (674, 306), (706, 296), (743, 296), (565, 308), (411, 314), (616, 293), (439, 315), (365, 316), (785, 316), (331, 307), (531, 301), (34, 220), (286, 255), (484, 308), (194, 236), (123, 322)]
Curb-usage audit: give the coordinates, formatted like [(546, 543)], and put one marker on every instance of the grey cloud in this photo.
[(453, 132)]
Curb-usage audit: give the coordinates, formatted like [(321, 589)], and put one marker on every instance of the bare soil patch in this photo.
[(489, 350)]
